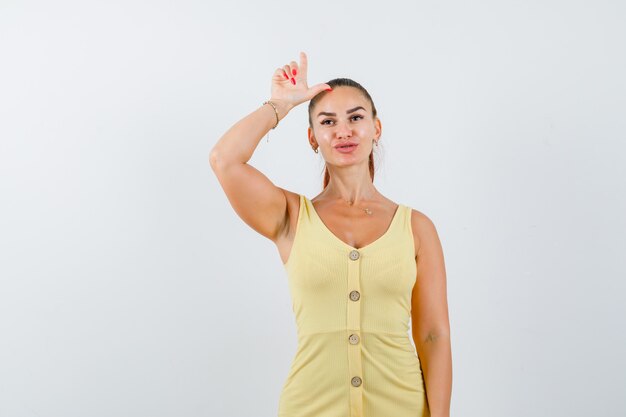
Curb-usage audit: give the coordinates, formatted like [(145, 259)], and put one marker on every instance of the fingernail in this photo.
[(285, 74), (293, 81), (293, 71), (329, 89)]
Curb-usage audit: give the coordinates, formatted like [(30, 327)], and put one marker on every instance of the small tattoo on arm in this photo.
[(431, 337)]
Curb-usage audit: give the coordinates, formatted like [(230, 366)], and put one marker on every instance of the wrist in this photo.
[(282, 107)]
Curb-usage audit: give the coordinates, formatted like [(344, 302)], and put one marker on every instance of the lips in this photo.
[(346, 144), (346, 147)]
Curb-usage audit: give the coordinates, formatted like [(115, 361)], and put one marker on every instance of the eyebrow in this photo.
[(322, 113)]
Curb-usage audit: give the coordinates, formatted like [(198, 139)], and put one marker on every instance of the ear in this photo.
[(312, 140), (378, 126)]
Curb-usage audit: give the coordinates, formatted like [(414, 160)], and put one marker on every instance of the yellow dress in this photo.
[(352, 310)]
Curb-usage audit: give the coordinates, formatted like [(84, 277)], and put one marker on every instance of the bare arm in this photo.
[(257, 201), (430, 322)]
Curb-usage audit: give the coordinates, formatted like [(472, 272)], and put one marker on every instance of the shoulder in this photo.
[(424, 230)]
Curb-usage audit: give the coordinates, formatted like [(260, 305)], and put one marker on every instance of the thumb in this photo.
[(318, 88)]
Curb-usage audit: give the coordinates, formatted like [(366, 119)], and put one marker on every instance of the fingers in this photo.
[(294, 70), (285, 70), (280, 74), (304, 64), (318, 88), (289, 73)]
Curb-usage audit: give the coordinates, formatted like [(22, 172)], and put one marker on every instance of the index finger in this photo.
[(304, 64)]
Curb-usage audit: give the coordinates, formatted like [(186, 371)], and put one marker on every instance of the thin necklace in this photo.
[(367, 210)]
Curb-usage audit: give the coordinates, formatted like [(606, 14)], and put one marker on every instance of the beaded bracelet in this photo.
[(275, 111)]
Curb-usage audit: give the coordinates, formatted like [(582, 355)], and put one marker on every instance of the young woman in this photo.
[(359, 266)]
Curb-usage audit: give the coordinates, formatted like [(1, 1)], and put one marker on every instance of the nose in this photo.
[(343, 130)]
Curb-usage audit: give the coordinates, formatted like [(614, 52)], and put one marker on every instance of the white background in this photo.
[(129, 286)]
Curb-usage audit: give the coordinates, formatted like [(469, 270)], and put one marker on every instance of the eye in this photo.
[(329, 120)]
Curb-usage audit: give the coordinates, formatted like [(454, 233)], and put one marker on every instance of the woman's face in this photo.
[(340, 117)]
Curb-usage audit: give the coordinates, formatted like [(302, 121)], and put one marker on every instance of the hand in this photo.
[(292, 89)]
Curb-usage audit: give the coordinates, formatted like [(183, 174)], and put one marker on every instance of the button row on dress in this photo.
[(354, 296)]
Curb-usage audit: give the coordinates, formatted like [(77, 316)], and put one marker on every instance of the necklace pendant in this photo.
[(368, 211)]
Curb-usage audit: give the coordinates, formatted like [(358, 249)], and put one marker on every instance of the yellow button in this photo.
[(354, 255), (356, 381), (354, 339), (354, 295)]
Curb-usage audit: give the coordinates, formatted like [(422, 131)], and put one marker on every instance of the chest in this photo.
[(356, 229)]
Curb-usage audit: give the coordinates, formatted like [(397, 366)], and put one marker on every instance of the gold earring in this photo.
[(315, 150)]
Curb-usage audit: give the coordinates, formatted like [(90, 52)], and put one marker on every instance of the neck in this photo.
[(351, 185)]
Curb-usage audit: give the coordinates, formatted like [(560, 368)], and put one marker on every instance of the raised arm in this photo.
[(255, 199)]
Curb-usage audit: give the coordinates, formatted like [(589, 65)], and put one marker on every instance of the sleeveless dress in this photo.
[(352, 310)]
